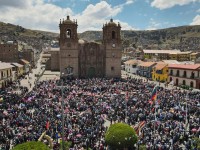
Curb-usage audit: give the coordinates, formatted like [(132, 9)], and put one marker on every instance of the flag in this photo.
[(47, 125), (154, 94)]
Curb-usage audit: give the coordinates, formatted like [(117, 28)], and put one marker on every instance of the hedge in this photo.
[(32, 145), (120, 136)]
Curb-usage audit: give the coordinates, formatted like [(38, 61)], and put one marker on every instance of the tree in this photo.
[(120, 136), (32, 145)]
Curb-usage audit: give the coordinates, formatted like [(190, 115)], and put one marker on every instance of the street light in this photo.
[(62, 109)]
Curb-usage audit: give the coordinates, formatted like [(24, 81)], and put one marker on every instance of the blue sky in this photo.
[(91, 14)]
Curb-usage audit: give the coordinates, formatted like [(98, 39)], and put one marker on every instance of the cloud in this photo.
[(153, 25), (164, 4), (14, 3), (196, 20), (36, 14), (198, 10)]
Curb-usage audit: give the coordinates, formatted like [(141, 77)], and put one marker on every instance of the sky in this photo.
[(92, 14)]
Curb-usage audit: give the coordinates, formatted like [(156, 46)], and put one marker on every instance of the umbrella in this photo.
[(194, 130), (78, 135), (58, 115)]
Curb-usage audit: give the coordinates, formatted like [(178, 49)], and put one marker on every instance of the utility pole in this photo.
[(62, 109)]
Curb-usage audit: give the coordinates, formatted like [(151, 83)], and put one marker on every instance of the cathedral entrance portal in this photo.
[(91, 72)]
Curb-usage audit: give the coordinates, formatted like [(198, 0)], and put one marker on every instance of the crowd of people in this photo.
[(91, 105)]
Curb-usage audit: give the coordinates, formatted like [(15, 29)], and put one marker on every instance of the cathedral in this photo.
[(83, 59)]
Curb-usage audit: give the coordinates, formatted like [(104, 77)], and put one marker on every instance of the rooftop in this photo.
[(160, 51), (4, 65), (186, 66), (17, 64), (133, 61), (147, 64), (160, 65)]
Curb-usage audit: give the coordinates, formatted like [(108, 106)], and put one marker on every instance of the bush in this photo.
[(33, 145), (120, 136), (66, 145)]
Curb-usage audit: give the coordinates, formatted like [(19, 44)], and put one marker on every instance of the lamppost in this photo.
[(62, 111)]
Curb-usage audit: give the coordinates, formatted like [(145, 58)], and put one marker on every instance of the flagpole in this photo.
[(155, 117)]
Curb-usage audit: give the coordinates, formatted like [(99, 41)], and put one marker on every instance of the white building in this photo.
[(5, 74), (131, 66), (185, 74)]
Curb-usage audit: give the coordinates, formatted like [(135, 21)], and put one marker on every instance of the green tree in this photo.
[(32, 145), (66, 145), (120, 136)]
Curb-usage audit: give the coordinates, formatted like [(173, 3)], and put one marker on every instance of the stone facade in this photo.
[(9, 52), (88, 59)]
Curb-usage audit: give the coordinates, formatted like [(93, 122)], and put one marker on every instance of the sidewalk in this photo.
[(29, 80)]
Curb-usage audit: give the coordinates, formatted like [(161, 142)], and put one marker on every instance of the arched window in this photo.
[(191, 84), (192, 75), (177, 73), (184, 74), (183, 82), (68, 33), (176, 81), (113, 34)]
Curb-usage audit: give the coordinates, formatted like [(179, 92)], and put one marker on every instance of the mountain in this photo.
[(35, 38), (183, 38)]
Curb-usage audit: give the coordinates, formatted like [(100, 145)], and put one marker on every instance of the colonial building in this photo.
[(131, 66), (5, 74), (185, 75), (145, 69), (9, 52), (87, 59), (160, 72)]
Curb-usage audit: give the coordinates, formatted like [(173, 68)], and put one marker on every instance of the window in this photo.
[(68, 33), (191, 84), (184, 74), (177, 73), (176, 81), (113, 34), (171, 72), (112, 68), (183, 82)]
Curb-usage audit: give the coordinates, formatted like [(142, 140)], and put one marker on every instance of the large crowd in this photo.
[(90, 105)]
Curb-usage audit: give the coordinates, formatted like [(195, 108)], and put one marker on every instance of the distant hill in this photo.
[(183, 38), (35, 38)]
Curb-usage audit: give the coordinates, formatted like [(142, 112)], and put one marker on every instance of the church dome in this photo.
[(111, 23), (68, 21)]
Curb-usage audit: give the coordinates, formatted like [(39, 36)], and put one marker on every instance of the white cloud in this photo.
[(196, 20), (37, 14), (153, 25), (164, 4), (198, 10)]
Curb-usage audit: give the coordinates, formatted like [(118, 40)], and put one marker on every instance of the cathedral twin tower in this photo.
[(84, 59)]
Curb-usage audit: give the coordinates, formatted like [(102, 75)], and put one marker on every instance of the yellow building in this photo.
[(180, 56), (5, 74), (194, 56), (160, 72), (19, 69)]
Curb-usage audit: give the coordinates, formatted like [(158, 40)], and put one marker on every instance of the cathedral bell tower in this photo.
[(113, 48), (68, 47)]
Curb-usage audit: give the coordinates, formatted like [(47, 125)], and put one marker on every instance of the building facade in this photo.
[(131, 66), (160, 72), (9, 52), (88, 59), (185, 75), (5, 74), (145, 69)]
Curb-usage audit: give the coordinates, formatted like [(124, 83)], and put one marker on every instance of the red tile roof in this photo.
[(182, 66), (147, 64)]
